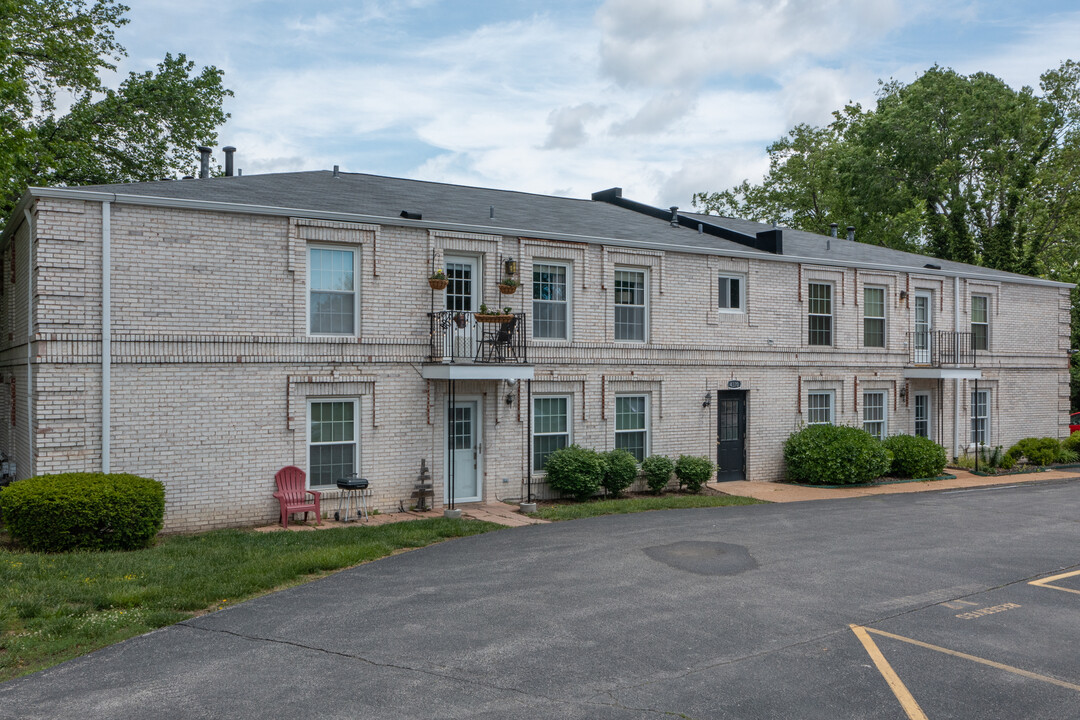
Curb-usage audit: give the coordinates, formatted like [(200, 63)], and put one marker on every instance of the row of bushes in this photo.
[(844, 455), (83, 511), (1029, 451), (581, 472)]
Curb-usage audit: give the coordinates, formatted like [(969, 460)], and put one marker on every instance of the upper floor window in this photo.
[(332, 291), (980, 322), (632, 425), (551, 427), (820, 314), (874, 317), (819, 407), (874, 413), (731, 293), (551, 301), (333, 441), (630, 299)]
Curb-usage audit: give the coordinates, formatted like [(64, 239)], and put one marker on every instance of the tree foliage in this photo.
[(62, 125)]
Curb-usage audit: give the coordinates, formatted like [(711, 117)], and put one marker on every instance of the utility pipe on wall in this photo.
[(29, 335), (106, 331)]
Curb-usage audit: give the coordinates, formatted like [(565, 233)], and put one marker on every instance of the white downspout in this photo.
[(29, 334), (956, 381), (106, 332)]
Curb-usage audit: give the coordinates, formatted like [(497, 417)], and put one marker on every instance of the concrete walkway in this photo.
[(782, 492), (496, 512)]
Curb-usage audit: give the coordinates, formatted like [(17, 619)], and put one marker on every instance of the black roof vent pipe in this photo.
[(228, 150), (336, 171), (851, 233), (204, 161), (832, 229), (674, 215)]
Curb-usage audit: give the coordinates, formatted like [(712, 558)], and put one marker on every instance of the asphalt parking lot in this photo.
[(956, 604)]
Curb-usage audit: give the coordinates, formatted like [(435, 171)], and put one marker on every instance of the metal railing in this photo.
[(940, 347), (472, 337)]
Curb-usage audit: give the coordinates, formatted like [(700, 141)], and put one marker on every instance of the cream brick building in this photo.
[(208, 332)]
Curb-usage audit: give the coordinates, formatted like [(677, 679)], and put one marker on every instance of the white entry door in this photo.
[(462, 296), (924, 325), (922, 414), (463, 436)]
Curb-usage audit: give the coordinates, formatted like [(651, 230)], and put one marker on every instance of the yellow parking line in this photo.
[(914, 712), (1045, 582), (983, 661)]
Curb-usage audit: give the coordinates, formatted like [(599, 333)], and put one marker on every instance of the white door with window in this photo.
[(924, 325), (464, 464), (462, 296), (922, 414)]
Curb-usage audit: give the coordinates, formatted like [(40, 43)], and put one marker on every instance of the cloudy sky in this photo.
[(660, 97)]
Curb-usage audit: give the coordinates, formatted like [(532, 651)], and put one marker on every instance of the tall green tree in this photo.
[(61, 125)]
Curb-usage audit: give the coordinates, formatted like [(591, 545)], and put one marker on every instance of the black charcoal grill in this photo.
[(353, 498)]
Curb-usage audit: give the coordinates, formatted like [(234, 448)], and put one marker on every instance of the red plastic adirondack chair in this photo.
[(292, 494)]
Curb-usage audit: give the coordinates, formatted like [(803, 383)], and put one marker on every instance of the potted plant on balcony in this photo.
[(487, 315), (437, 280), (509, 285)]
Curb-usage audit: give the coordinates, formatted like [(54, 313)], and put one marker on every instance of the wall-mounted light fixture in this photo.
[(510, 265), (903, 393), (708, 399), (903, 294)]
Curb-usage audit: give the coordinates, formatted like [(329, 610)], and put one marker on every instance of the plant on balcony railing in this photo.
[(487, 315)]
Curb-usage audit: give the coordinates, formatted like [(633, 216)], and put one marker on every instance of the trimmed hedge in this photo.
[(620, 471), (1072, 442), (1038, 451), (657, 469), (915, 457), (693, 472), (835, 455), (83, 511), (576, 471)]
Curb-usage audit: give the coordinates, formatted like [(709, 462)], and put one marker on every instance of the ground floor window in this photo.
[(551, 427), (333, 441), (874, 413), (819, 407), (632, 425), (980, 416)]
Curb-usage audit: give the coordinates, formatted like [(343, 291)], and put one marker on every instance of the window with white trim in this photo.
[(874, 413), (551, 301), (731, 293), (551, 426), (980, 322), (333, 441), (820, 313), (632, 425), (980, 417), (874, 317), (630, 305), (819, 407), (332, 296)]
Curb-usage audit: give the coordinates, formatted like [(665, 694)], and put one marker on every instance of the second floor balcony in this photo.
[(470, 337), (941, 348)]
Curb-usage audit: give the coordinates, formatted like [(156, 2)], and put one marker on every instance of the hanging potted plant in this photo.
[(508, 286), (485, 315), (437, 280), (461, 320)]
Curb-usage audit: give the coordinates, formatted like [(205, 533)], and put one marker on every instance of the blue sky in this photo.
[(660, 97)]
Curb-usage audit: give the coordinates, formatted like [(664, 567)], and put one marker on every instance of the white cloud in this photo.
[(568, 125)]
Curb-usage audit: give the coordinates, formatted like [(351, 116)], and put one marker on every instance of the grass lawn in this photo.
[(592, 508), (55, 607)]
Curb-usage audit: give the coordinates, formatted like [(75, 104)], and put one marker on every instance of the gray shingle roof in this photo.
[(523, 213)]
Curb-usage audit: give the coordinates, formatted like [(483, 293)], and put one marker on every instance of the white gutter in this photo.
[(106, 333), (29, 335), (214, 206), (956, 381)]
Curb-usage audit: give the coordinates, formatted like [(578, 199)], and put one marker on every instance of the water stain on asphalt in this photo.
[(702, 557)]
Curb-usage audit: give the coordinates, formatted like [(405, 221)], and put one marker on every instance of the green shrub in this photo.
[(1038, 451), (83, 511), (990, 457), (575, 471), (693, 472), (915, 457), (620, 471), (1007, 462), (1072, 442), (658, 471), (835, 455), (1067, 457)]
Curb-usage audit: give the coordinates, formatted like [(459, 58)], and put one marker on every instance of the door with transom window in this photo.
[(924, 325), (731, 435), (462, 296)]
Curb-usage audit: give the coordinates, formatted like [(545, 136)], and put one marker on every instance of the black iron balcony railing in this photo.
[(941, 347), (472, 337)]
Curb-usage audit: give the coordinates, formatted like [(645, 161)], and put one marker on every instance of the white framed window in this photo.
[(874, 317), (980, 417), (819, 407), (551, 426), (820, 313), (980, 322), (632, 425), (875, 413), (731, 293), (332, 296), (631, 298), (551, 286), (333, 440)]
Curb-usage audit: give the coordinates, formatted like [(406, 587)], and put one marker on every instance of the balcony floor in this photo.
[(477, 371)]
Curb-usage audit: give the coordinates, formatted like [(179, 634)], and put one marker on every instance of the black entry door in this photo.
[(731, 435)]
